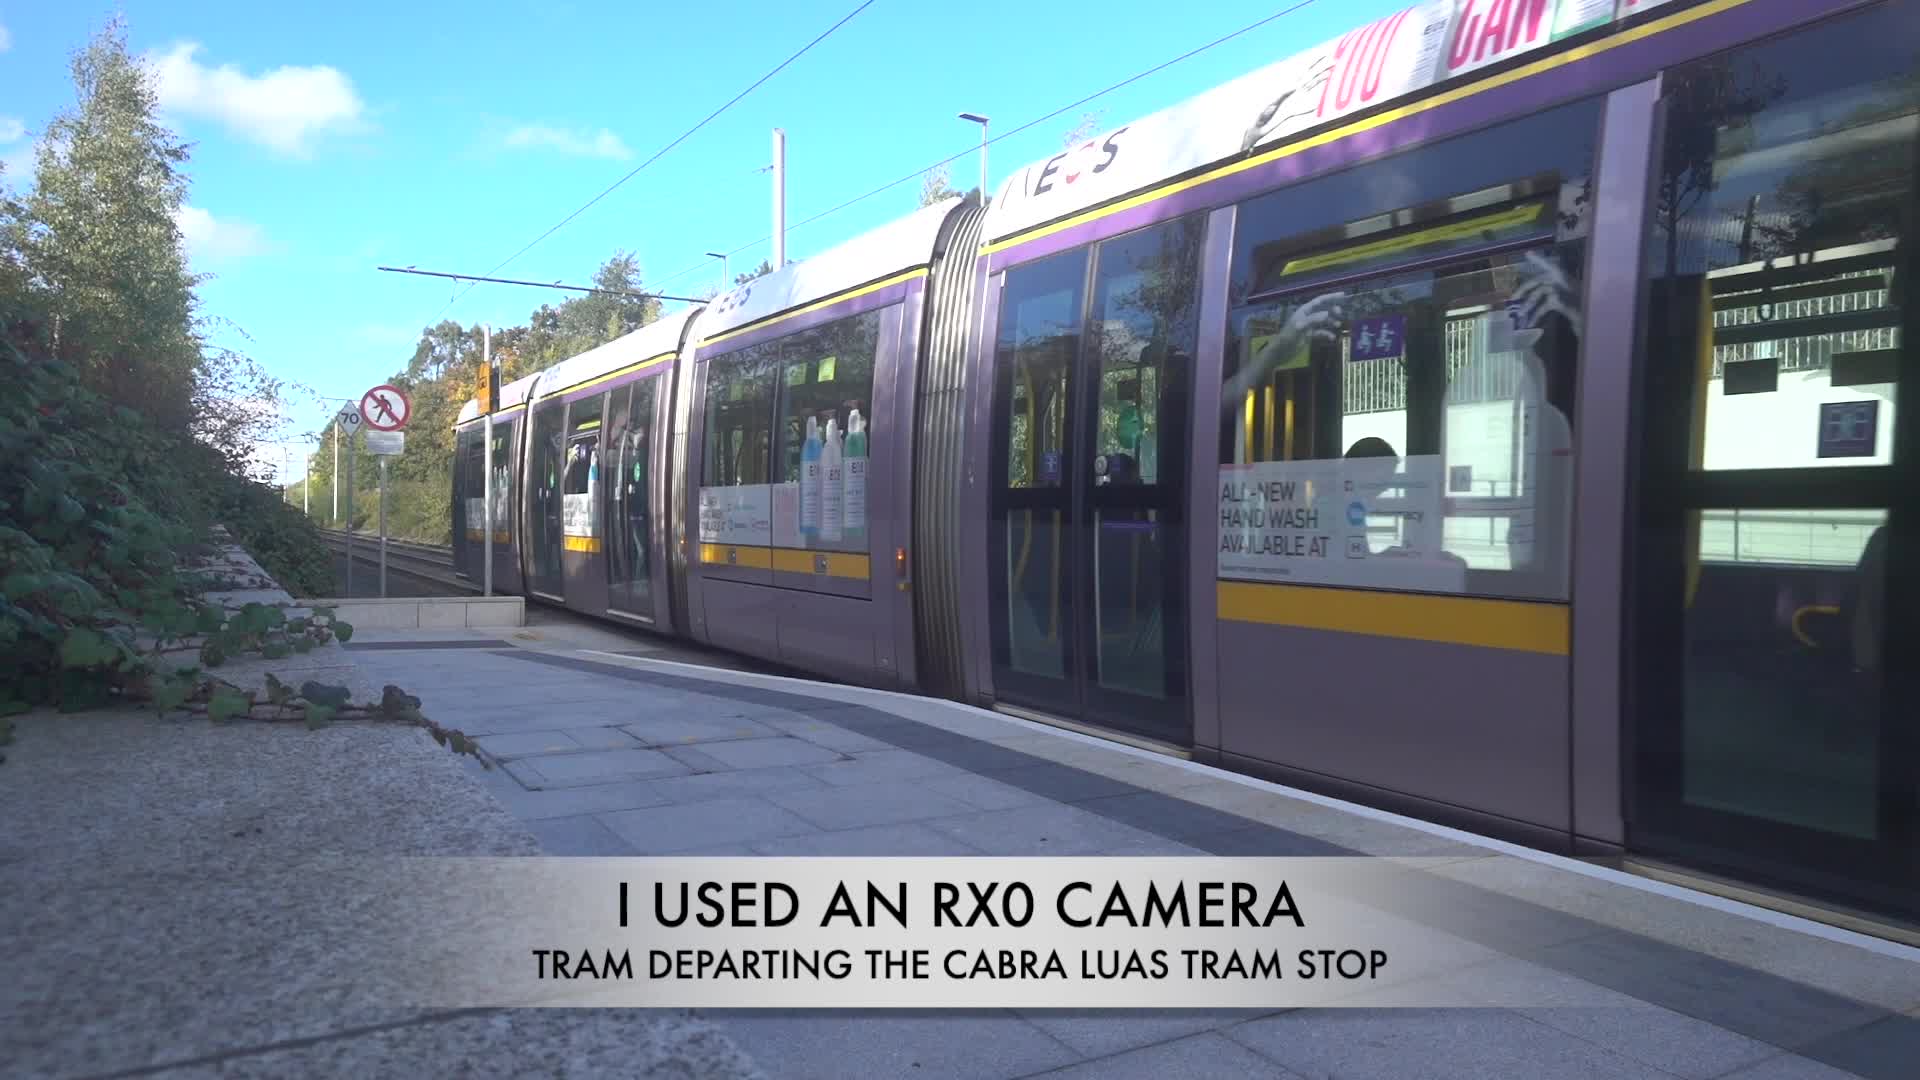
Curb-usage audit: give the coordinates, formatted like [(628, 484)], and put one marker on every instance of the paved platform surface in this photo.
[(145, 929), (612, 743)]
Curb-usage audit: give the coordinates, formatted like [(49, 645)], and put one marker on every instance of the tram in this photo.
[(1488, 415)]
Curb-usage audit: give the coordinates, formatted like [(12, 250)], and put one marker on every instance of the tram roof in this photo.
[(657, 338), (904, 244), (1391, 59)]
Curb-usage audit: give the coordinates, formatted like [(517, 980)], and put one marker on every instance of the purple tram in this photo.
[(1488, 415)]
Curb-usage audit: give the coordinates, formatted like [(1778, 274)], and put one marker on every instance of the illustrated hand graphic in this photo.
[(1270, 118), (1543, 290), (1316, 320)]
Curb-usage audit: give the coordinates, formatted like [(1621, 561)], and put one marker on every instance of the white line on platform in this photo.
[(889, 698)]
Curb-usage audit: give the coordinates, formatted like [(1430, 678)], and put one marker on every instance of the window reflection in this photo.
[(1411, 430), (1143, 326), (1784, 186), (1039, 337)]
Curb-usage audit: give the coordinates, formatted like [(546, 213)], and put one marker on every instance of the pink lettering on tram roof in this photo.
[(1489, 29)]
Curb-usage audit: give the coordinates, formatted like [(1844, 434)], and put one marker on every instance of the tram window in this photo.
[(1780, 201), (1398, 397), (1039, 337), (583, 446), (739, 415), (1143, 324), (826, 374)]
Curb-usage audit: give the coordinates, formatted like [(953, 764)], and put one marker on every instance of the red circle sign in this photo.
[(385, 408)]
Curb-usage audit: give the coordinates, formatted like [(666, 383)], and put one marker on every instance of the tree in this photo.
[(597, 318), (1711, 109), (765, 268), (1087, 128), (936, 185), (97, 243)]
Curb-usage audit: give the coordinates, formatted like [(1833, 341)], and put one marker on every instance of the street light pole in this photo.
[(982, 121), (779, 199), (724, 279), (336, 469)]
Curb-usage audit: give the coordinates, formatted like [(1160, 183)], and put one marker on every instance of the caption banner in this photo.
[(936, 933)]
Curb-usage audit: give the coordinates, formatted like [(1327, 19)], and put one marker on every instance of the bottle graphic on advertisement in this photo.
[(810, 480), (854, 469), (592, 515), (832, 496)]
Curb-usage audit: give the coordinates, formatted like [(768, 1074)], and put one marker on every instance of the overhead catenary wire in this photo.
[(476, 278), (1030, 124), (658, 154)]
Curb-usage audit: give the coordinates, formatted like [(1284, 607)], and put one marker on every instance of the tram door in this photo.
[(546, 576), (1088, 547), (1776, 726), (629, 546)]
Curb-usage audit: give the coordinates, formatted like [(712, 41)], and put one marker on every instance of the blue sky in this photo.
[(329, 139)]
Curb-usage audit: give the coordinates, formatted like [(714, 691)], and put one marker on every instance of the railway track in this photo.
[(428, 563)]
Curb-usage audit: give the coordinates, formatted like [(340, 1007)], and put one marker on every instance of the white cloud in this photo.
[(603, 143), (17, 165), (207, 236), (286, 109), (11, 128), (6, 38)]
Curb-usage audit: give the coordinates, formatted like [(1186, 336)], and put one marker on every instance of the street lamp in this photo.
[(724, 279), (982, 121)]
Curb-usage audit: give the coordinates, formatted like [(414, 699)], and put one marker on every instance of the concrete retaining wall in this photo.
[(429, 612)]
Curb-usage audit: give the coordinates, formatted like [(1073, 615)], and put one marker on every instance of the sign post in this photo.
[(386, 410), (383, 526), (345, 426)]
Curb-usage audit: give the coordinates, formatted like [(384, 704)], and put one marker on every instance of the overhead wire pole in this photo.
[(486, 458), (779, 198), (710, 117), (975, 118)]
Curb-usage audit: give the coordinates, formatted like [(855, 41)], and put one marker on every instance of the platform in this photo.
[(611, 743)]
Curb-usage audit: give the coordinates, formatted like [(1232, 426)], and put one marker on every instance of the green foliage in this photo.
[(98, 239), (440, 377), (125, 437), (93, 594)]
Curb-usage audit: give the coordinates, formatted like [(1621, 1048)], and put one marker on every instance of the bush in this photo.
[(97, 509)]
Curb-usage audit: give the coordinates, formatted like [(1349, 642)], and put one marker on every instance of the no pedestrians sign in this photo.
[(385, 408)]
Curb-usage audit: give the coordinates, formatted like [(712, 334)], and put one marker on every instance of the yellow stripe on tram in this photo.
[(598, 379), (587, 544), (840, 297), (746, 556), (839, 564), (1460, 620), (850, 565)]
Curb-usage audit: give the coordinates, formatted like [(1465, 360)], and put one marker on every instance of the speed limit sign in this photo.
[(350, 419)]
